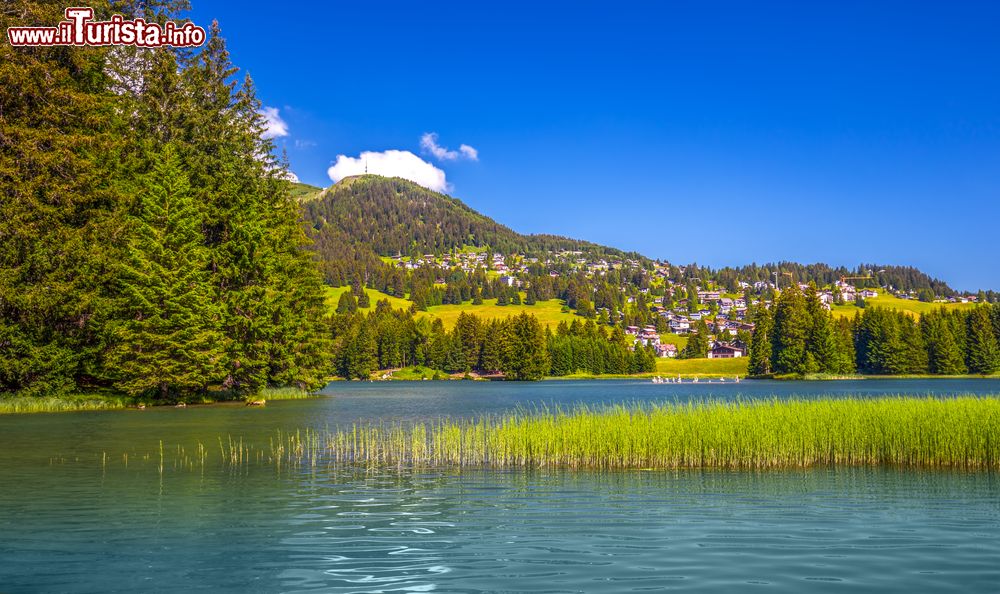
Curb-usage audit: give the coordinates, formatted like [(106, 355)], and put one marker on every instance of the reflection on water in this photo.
[(78, 529), (70, 521)]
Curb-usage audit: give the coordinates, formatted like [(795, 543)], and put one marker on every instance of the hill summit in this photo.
[(363, 218)]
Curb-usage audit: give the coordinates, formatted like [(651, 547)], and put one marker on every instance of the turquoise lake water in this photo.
[(75, 517)]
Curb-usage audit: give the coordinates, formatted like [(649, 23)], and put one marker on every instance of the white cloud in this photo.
[(469, 152), (275, 127), (291, 177), (429, 144), (391, 163)]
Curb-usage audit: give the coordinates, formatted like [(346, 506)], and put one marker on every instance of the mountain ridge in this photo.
[(363, 219)]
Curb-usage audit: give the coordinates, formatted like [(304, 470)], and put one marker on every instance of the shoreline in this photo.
[(98, 401)]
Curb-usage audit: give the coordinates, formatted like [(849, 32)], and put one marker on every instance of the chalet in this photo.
[(510, 281), (649, 336), (724, 351), (632, 330), (666, 350)]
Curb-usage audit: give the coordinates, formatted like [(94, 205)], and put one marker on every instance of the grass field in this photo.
[(904, 432), (304, 192), (680, 340), (892, 302), (702, 367), (333, 296), (549, 313)]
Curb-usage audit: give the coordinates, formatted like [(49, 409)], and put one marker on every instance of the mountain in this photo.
[(363, 218)]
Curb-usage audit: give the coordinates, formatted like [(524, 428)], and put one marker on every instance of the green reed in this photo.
[(26, 404), (961, 433)]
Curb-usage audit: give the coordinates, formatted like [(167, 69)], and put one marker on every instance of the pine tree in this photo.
[(491, 355), (358, 291), (698, 343), (791, 330), (470, 334), (168, 343), (983, 353), (347, 303), (943, 352), (61, 153), (525, 356), (761, 349), (821, 344)]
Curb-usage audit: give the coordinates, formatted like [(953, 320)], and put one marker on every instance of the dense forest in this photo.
[(148, 242), (799, 336), (364, 217), (516, 347), (360, 219)]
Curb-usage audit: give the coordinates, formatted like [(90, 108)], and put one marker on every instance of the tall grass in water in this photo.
[(286, 393), (59, 404), (961, 432)]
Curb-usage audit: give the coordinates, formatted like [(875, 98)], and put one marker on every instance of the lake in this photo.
[(85, 507)]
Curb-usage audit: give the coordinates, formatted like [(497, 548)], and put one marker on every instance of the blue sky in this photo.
[(721, 133)]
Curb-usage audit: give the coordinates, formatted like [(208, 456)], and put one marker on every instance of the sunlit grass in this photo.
[(286, 393), (60, 403), (913, 306), (956, 433)]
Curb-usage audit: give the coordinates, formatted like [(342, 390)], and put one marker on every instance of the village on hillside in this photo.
[(725, 314)]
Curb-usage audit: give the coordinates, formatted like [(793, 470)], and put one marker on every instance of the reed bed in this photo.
[(286, 393), (960, 433), (19, 405)]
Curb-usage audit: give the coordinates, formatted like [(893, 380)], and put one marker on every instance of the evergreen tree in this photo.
[(821, 344), (168, 344), (470, 333), (491, 355), (982, 351), (62, 140), (347, 303), (761, 350), (364, 302), (525, 356), (943, 352), (791, 331), (698, 343)]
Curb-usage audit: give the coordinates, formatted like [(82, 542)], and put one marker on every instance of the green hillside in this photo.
[(304, 192), (364, 218), (891, 302), (549, 313)]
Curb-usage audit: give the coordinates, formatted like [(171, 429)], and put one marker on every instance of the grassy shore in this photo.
[(947, 433), (67, 403), (112, 401)]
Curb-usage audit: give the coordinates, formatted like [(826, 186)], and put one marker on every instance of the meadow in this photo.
[(892, 302), (549, 313), (702, 367), (961, 432)]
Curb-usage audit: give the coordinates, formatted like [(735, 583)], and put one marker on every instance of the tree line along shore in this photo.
[(152, 251)]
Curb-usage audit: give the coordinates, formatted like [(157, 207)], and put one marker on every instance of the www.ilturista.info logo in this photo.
[(79, 28)]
